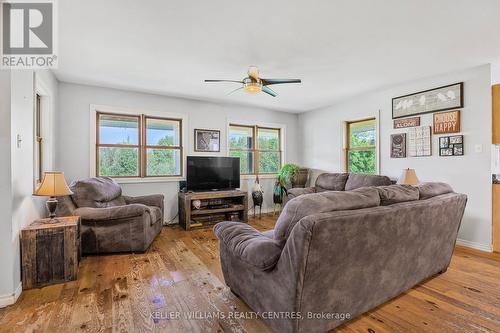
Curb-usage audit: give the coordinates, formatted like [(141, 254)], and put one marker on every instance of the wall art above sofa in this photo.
[(419, 141), (451, 145), (432, 100)]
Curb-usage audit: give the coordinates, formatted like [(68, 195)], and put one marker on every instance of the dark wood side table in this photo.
[(50, 252)]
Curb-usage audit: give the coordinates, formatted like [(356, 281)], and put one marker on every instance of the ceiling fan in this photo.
[(254, 84)]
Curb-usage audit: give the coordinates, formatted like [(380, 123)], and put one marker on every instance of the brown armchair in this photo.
[(111, 222)]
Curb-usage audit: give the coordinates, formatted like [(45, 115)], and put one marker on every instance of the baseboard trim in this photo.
[(6, 300), (475, 245)]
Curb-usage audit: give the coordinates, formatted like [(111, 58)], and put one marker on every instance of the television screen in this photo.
[(212, 173)]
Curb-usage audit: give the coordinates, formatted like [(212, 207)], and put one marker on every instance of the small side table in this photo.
[(50, 252)]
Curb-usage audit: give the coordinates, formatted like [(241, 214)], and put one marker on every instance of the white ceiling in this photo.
[(339, 48)]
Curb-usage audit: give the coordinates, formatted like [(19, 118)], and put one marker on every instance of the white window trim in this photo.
[(94, 108), (47, 120), (282, 128), (343, 132)]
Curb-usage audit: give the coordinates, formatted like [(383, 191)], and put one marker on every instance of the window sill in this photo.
[(148, 180), (263, 176)]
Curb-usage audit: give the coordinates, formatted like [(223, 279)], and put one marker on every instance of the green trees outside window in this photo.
[(361, 147), (138, 146), (258, 148)]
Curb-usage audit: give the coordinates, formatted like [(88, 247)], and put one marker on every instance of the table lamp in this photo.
[(53, 185), (408, 177)]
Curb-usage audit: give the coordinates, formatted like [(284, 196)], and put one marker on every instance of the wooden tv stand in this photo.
[(216, 206)]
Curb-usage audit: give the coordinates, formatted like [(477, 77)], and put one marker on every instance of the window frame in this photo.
[(145, 147), (255, 150), (141, 146), (38, 136), (348, 148)]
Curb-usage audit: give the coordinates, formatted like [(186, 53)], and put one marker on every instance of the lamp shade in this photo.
[(53, 185), (408, 177)]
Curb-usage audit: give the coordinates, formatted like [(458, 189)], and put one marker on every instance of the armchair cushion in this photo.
[(249, 245), (110, 213), (99, 192)]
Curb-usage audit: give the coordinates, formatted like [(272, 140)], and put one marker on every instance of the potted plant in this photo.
[(290, 175)]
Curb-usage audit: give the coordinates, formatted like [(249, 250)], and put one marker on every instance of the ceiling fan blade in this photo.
[(235, 90), (234, 81), (269, 91), (267, 82)]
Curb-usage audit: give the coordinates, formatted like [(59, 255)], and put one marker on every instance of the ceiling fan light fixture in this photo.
[(252, 87)]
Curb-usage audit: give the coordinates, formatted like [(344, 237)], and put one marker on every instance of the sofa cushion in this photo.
[(99, 192), (331, 182), (357, 180), (397, 193), (323, 202), (432, 189), (269, 233)]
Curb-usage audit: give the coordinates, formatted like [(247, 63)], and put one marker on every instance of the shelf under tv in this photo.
[(204, 211), (188, 215)]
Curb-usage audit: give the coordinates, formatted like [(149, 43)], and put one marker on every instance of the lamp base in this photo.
[(51, 205)]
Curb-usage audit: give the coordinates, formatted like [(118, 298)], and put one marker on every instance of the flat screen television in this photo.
[(207, 173)]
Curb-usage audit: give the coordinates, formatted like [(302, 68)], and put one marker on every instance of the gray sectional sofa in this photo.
[(338, 182), (334, 255), (111, 222)]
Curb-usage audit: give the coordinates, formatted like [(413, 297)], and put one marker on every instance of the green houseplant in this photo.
[(285, 178)]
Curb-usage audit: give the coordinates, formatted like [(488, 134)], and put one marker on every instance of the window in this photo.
[(259, 148), (130, 146), (360, 152), (38, 140)]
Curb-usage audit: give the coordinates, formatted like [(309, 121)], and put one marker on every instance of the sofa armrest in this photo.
[(155, 200), (110, 213), (295, 192), (247, 244)]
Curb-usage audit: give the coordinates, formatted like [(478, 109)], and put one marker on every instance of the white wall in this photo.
[(470, 174), (495, 73), (73, 135), (17, 189), (6, 244)]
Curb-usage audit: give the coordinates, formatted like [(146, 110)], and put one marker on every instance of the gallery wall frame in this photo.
[(451, 145), (446, 122), (420, 141), (398, 145), (206, 140), (406, 122), (442, 98)]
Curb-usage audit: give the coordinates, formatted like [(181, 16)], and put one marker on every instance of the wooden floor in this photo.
[(180, 274)]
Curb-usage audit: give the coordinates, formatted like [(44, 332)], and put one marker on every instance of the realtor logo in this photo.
[(28, 34)]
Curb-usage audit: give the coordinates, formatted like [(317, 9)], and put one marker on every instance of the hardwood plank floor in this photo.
[(181, 273)]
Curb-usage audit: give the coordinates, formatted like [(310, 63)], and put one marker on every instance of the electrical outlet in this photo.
[(19, 140)]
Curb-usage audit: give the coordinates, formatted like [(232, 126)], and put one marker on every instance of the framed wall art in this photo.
[(432, 100), (446, 122), (398, 145), (419, 141), (206, 140), (406, 122), (451, 145)]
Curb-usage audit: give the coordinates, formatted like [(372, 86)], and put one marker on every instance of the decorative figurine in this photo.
[(257, 197)]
